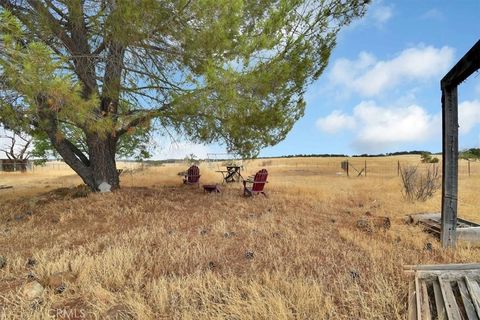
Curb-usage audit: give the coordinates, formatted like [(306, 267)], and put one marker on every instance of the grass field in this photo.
[(157, 249)]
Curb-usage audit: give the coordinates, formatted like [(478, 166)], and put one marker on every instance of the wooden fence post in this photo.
[(365, 168), (450, 166), (348, 168), (398, 168), (465, 67)]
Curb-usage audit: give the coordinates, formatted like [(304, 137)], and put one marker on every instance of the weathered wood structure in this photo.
[(444, 292), (13, 165), (466, 231), (461, 71)]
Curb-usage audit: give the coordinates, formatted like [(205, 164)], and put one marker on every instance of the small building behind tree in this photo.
[(15, 165)]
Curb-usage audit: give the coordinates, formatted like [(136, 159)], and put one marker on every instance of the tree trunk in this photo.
[(102, 151), (99, 167)]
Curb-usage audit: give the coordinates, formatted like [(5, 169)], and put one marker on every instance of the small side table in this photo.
[(211, 188)]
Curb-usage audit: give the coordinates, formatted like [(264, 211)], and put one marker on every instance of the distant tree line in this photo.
[(339, 155), (426, 156), (470, 154)]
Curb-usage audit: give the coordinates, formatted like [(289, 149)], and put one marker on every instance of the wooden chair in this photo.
[(192, 176), (257, 184)]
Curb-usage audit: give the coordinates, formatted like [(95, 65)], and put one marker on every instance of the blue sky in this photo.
[(381, 90)]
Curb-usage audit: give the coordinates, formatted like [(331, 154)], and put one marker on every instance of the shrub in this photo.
[(420, 185), (191, 160), (427, 158)]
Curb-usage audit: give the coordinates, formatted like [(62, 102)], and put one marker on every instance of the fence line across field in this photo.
[(315, 168), (12, 165), (352, 167)]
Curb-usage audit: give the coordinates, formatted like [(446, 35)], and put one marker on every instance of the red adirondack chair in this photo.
[(257, 184), (192, 176)]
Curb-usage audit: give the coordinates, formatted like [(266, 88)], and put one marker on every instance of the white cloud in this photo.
[(433, 14), (468, 115), (370, 77), (381, 14), (378, 14), (378, 128), (336, 122), (383, 127)]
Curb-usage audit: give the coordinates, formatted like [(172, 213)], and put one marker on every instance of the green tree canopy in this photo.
[(84, 72), (470, 154)]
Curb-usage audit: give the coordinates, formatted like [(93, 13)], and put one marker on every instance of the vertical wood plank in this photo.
[(449, 166), (412, 301), (449, 298), (441, 312), (467, 302), (418, 295), (426, 314), (474, 290)]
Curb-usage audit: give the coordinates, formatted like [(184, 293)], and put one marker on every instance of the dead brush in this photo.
[(418, 185)]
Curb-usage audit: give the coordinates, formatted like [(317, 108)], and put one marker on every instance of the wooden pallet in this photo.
[(467, 231), (431, 226), (444, 292)]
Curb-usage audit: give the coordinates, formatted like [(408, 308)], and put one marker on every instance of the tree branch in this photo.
[(141, 119)]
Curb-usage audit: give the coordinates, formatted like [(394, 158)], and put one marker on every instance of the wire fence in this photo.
[(352, 167), (362, 167)]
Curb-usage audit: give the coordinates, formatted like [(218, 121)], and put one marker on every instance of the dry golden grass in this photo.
[(162, 250)]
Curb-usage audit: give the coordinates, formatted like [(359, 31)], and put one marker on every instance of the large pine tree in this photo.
[(88, 72)]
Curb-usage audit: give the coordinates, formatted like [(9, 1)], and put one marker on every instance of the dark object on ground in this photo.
[(364, 225), (211, 188), (428, 247), (3, 262), (355, 275), (31, 262), (249, 255), (211, 265), (229, 234), (5, 187)]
